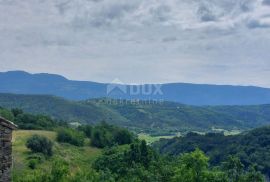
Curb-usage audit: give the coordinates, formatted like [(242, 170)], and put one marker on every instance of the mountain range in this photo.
[(19, 82)]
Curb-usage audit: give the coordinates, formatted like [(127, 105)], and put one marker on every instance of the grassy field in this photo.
[(151, 139), (77, 157)]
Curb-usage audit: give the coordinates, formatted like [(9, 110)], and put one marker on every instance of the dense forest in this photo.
[(252, 148)]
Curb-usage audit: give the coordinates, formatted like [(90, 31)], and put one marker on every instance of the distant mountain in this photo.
[(19, 82), (159, 118)]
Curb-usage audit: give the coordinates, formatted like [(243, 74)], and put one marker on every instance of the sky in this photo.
[(139, 41)]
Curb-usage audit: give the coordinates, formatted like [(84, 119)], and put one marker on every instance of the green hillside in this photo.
[(253, 147), (157, 119), (108, 153), (78, 158), (60, 108)]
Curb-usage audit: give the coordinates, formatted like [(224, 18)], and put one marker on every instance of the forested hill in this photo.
[(164, 117), (253, 147), (20, 82)]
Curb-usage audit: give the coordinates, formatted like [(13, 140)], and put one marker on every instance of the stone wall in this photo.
[(5, 150)]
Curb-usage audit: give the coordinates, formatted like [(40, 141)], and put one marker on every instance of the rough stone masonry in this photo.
[(6, 128)]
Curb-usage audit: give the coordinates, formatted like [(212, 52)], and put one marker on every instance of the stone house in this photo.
[(6, 128)]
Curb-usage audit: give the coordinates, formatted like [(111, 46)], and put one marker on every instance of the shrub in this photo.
[(59, 172), (105, 135), (101, 138), (35, 159), (33, 163), (70, 136), (40, 144), (123, 136), (86, 129)]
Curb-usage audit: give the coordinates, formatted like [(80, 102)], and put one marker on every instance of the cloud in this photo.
[(204, 41), (266, 2), (258, 24), (205, 14), (169, 39)]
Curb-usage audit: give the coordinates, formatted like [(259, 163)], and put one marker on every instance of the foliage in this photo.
[(77, 159), (168, 117), (193, 167), (59, 171), (86, 129), (252, 148), (86, 176), (40, 144), (71, 136), (135, 162), (29, 121), (105, 135), (138, 163)]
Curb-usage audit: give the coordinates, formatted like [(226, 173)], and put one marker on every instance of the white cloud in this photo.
[(205, 41)]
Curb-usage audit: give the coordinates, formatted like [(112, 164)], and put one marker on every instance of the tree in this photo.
[(253, 176), (193, 167), (101, 138), (40, 144), (234, 168), (196, 162), (7, 114), (122, 137), (87, 129), (16, 112), (105, 135), (70, 136), (145, 155)]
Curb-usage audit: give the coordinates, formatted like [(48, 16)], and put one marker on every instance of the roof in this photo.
[(7, 123)]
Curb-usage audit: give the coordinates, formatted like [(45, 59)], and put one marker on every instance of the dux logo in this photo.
[(149, 89), (116, 84)]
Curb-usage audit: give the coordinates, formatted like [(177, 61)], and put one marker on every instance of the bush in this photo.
[(33, 163), (123, 137), (40, 144), (101, 138), (105, 135), (86, 129), (35, 159), (70, 136)]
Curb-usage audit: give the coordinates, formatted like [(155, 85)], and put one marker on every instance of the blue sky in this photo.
[(139, 41)]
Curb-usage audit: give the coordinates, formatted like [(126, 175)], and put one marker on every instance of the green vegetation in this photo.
[(134, 162), (151, 139), (105, 152), (252, 148), (141, 163), (40, 144), (105, 135), (162, 119), (29, 121), (77, 159), (71, 136)]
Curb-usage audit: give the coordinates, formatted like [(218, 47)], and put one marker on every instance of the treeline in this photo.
[(30, 121), (252, 148), (102, 135)]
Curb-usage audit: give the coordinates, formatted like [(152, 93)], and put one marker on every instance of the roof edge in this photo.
[(8, 123)]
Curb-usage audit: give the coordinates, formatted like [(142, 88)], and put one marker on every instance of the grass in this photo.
[(227, 132), (77, 157), (151, 139)]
